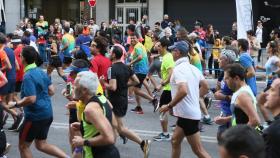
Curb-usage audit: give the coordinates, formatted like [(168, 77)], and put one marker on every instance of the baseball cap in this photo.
[(229, 54), (182, 46), (78, 65)]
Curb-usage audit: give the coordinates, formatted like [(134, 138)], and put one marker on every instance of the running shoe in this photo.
[(137, 110), (130, 99), (207, 121), (155, 93), (155, 104), (146, 146), (4, 156), (162, 137)]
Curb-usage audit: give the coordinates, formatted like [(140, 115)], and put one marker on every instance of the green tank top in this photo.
[(89, 130)]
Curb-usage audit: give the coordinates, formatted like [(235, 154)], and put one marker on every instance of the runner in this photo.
[(36, 91), (120, 78), (187, 84), (243, 101), (166, 72), (55, 61), (223, 93), (140, 67), (97, 133), (271, 134), (272, 68), (68, 45)]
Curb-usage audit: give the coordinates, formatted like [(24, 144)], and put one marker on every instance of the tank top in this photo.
[(239, 116), (89, 130)]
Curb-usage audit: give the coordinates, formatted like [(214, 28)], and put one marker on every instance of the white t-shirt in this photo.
[(184, 72)]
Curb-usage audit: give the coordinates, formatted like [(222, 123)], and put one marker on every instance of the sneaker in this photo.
[(145, 146), (207, 121), (137, 110), (162, 137), (208, 102), (155, 104), (5, 118), (21, 117), (7, 149), (4, 156), (124, 139), (155, 93), (130, 99)]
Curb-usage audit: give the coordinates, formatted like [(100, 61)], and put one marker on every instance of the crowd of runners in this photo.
[(105, 69)]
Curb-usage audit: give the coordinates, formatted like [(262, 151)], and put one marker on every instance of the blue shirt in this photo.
[(225, 105), (246, 61), (11, 74), (83, 40), (36, 83)]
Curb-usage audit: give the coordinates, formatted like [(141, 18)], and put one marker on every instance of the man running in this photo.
[(167, 66), (187, 85), (140, 66), (120, 78), (243, 101), (36, 102), (98, 136)]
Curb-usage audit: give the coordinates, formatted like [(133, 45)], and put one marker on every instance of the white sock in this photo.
[(165, 133), (207, 116)]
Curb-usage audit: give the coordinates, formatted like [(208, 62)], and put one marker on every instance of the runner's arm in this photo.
[(7, 65), (112, 84), (250, 72), (170, 70), (244, 103), (51, 90), (204, 88), (182, 91), (94, 115)]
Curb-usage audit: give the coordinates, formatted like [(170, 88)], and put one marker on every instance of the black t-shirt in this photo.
[(121, 73), (272, 139)]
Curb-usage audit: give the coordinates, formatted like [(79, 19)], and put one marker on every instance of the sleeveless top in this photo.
[(239, 116), (89, 130)]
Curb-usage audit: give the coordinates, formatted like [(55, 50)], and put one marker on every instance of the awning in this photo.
[(2, 10)]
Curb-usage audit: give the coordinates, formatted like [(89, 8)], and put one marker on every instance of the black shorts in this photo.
[(141, 78), (37, 130), (73, 116), (18, 86), (120, 105), (9, 87), (189, 126), (165, 98), (55, 61)]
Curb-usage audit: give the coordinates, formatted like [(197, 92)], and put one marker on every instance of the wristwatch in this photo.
[(87, 143)]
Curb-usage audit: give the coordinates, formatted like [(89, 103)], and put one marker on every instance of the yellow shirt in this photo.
[(216, 52), (80, 106)]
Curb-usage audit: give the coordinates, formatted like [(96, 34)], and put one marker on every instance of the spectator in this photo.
[(233, 33), (254, 46), (93, 28), (157, 31), (165, 21)]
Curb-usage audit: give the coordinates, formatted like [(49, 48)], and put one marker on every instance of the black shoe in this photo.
[(155, 104)]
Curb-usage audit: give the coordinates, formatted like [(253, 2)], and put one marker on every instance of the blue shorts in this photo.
[(8, 88)]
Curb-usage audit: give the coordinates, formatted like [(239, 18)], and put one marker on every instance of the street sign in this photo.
[(92, 3)]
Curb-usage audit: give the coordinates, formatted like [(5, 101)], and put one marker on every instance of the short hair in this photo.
[(101, 44), (26, 34), (88, 80), (164, 42), (157, 23), (67, 29), (29, 54), (250, 32), (131, 27), (117, 51), (3, 39), (79, 28), (236, 70), (243, 140), (227, 40), (243, 43)]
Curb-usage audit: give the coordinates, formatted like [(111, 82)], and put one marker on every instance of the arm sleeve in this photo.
[(246, 62), (179, 77)]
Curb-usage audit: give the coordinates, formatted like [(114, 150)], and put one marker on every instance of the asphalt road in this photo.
[(146, 125)]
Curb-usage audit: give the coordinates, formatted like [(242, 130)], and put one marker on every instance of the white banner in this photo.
[(244, 17)]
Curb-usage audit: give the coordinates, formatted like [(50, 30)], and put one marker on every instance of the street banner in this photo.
[(244, 17)]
